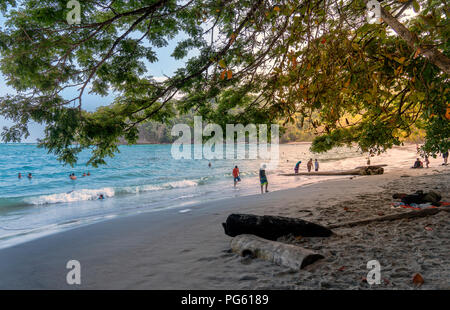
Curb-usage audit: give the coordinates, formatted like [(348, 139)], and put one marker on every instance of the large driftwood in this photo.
[(272, 227), (411, 214), (370, 170), (371, 166), (276, 252)]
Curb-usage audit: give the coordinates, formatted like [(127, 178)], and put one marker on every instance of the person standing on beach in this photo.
[(309, 165), (297, 165), (236, 175), (263, 178), (445, 156), (427, 161), (316, 165)]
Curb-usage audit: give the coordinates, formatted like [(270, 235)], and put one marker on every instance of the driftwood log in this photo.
[(276, 252), (406, 215), (272, 227), (372, 166), (370, 170)]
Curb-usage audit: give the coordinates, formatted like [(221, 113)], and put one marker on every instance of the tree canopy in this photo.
[(318, 62)]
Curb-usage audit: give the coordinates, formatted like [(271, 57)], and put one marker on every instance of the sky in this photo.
[(165, 66)]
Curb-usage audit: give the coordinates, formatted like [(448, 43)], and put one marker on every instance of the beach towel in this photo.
[(420, 206)]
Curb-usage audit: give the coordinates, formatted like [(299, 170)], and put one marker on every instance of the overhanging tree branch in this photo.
[(433, 55)]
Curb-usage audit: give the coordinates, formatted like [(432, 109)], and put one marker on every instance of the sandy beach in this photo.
[(189, 250)]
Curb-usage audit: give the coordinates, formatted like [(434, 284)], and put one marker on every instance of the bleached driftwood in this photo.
[(272, 227), (276, 252)]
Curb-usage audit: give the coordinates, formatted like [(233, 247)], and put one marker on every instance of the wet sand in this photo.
[(189, 250)]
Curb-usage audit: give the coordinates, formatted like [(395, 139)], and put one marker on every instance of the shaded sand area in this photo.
[(189, 250)]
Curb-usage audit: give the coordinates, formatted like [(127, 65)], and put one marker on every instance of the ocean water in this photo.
[(141, 178)]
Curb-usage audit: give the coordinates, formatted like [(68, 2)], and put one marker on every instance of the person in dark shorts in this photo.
[(236, 175), (263, 178)]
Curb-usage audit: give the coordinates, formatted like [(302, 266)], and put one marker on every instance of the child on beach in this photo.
[(236, 176), (263, 178), (316, 165)]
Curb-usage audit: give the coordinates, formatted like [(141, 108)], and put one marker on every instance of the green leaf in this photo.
[(416, 6)]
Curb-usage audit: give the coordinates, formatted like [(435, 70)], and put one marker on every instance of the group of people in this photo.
[(262, 177), (419, 164), (30, 176), (309, 165), (72, 176)]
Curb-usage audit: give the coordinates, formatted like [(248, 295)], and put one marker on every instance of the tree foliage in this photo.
[(254, 61)]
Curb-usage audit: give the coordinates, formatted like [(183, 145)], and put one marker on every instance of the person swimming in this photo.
[(72, 176), (101, 197), (20, 175), (84, 174), (88, 174), (30, 176)]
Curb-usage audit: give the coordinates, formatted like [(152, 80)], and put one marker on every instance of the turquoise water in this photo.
[(141, 178)]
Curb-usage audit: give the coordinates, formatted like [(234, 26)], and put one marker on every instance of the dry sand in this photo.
[(173, 250)]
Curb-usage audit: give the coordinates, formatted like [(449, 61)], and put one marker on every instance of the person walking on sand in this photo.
[(445, 156), (316, 165), (309, 165), (236, 175), (263, 178), (297, 165)]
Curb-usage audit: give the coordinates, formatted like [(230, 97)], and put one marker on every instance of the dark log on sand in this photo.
[(406, 215), (371, 166), (272, 227), (276, 252), (360, 171)]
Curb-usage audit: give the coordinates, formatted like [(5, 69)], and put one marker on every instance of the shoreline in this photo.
[(173, 250)]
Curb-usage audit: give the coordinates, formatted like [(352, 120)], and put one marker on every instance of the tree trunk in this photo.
[(276, 252), (433, 55), (272, 227)]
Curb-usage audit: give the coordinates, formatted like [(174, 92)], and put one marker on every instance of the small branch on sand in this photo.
[(276, 252), (272, 227), (407, 215)]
